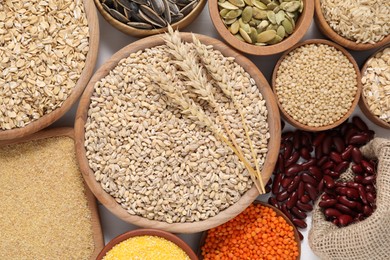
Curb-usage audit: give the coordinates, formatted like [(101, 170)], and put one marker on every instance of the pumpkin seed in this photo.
[(246, 27), (253, 34), (263, 24), (291, 6), (227, 5), (238, 3), (234, 27), (247, 14), (266, 36), (259, 14), (245, 35), (272, 5), (238, 36), (287, 26), (259, 4), (224, 12), (271, 17), (233, 14), (229, 21), (280, 16), (281, 32), (275, 40), (248, 2)]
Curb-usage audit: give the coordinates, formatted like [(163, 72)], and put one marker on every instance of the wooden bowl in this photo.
[(142, 33), (92, 205), (278, 213), (363, 101), (302, 25), (148, 232), (334, 36), (294, 122), (109, 202), (86, 74)]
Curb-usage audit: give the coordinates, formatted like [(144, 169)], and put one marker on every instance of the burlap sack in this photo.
[(368, 239)]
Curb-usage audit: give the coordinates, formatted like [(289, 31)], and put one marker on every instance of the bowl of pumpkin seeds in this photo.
[(261, 27), (142, 18)]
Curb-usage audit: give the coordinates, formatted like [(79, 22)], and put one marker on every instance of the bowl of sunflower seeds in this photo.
[(142, 18)]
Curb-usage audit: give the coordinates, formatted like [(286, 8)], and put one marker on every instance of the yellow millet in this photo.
[(146, 248)]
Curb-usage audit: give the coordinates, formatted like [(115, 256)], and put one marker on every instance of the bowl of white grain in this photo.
[(163, 146), (49, 54)]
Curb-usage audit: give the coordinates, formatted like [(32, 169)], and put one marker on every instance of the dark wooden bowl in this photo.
[(302, 26), (334, 36)]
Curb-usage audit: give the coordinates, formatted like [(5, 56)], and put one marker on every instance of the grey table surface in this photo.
[(112, 40)]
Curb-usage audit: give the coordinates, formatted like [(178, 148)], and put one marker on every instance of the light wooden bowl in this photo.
[(302, 25), (86, 74), (68, 132), (334, 36), (109, 202), (148, 232), (363, 101), (289, 118), (278, 213), (187, 20)]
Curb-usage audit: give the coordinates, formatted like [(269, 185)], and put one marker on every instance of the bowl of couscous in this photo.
[(147, 244)]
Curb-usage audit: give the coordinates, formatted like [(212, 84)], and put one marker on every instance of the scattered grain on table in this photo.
[(44, 212)]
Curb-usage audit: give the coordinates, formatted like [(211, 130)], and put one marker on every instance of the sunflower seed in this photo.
[(158, 6), (140, 25)]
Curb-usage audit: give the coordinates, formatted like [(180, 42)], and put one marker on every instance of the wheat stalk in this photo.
[(215, 71)]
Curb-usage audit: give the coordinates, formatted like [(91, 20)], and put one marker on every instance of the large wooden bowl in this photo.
[(294, 122), (278, 213), (187, 20), (363, 101), (334, 36), (302, 26), (86, 74), (148, 232), (109, 202), (68, 132)]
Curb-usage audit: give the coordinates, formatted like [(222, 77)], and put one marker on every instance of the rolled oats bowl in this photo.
[(48, 53), (261, 27), (171, 132), (375, 97), (142, 18), (354, 24), (317, 85)]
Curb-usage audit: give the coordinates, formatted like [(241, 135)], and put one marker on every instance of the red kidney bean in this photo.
[(367, 210), (312, 191), (370, 188), (286, 182), (327, 145), (357, 169), (338, 144), (286, 212), (282, 196), (292, 159), (305, 199), (341, 184), (370, 179), (306, 139), (305, 153), (321, 186), (327, 203), (315, 172), (367, 167), (345, 201), (301, 189), (341, 167), (335, 221), (272, 201), (322, 160), (298, 213), (356, 155), (300, 235), (335, 157), (308, 163), (331, 212), (351, 184), (346, 155), (293, 170), (352, 193), (286, 136), (344, 220), (333, 174), (326, 197), (287, 149), (329, 182), (306, 207), (280, 163), (318, 152), (307, 178), (292, 200), (294, 184), (276, 184), (359, 139), (299, 223), (328, 165), (297, 140), (350, 132), (344, 209), (359, 123), (362, 194), (319, 139), (358, 179), (370, 197)]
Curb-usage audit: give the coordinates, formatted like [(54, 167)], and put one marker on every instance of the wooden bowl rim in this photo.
[(363, 101), (48, 119), (92, 205), (148, 232), (278, 213), (289, 118), (184, 22), (334, 36), (190, 227), (301, 28)]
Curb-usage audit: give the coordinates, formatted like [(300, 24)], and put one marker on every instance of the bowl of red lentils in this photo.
[(317, 85), (261, 231), (147, 244)]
